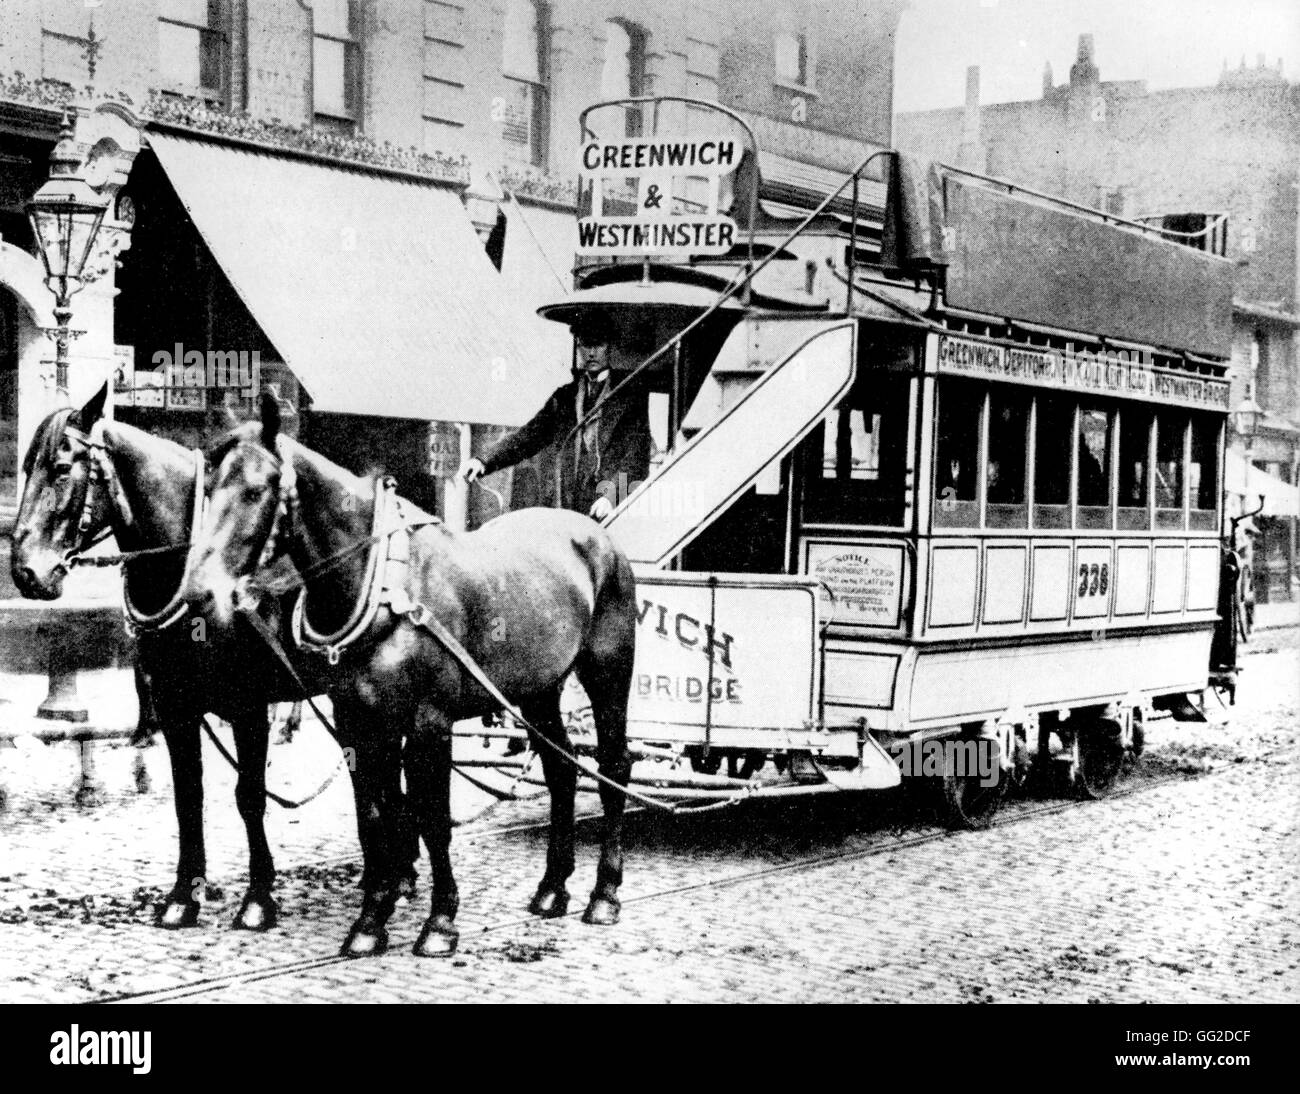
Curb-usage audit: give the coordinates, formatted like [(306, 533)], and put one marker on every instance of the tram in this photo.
[(941, 467)]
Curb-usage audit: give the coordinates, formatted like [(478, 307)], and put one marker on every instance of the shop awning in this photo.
[(538, 268), (374, 289), (1249, 483)]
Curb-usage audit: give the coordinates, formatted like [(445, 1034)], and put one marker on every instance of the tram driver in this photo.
[(614, 446)]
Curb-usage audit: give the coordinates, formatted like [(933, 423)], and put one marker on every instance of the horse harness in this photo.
[(103, 477)]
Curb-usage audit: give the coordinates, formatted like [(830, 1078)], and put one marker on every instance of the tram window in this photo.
[(851, 444), (1094, 468), (1008, 446), (1203, 473), (1053, 443), (957, 450), (1135, 468), (1171, 436), (856, 459)]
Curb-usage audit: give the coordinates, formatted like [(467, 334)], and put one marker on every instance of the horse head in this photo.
[(249, 492), (61, 512)]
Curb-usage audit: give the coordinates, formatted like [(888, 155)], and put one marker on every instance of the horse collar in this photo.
[(177, 606), (388, 550)]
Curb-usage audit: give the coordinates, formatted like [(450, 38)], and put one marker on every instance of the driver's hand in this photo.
[(601, 508), (471, 469)]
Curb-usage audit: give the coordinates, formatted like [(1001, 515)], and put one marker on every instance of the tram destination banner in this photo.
[(657, 196), (1119, 374)]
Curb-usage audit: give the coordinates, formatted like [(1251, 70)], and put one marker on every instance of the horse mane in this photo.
[(46, 440)]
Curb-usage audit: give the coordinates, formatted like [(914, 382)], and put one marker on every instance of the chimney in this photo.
[(971, 117), (1084, 71), (1047, 79), (971, 154)]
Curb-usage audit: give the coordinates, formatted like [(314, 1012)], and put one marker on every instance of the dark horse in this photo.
[(84, 474), (530, 596)]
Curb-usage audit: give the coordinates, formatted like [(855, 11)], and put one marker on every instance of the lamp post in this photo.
[(66, 213), (1245, 423)]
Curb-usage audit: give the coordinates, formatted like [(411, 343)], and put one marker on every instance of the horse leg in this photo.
[(258, 911), (607, 684), (552, 898), (427, 762), (375, 756), (407, 848), (180, 908)]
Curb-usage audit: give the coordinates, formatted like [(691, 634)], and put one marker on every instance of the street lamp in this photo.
[(1246, 419), (65, 213)]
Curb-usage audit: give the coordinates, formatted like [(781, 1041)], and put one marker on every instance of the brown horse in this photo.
[(85, 474), (531, 596)]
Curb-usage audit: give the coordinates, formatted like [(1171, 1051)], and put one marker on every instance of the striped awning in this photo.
[(373, 288)]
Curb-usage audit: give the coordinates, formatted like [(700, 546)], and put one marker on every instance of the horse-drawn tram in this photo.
[(941, 475)]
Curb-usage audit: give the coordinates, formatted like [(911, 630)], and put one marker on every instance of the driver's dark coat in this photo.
[(621, 443)]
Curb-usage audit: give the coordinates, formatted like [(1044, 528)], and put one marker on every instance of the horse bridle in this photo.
[(284, 523), (100, 477)]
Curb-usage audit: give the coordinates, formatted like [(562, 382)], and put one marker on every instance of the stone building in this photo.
[(368, 197), (1220, 164)]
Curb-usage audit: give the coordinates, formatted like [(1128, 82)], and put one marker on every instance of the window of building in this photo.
[(1053, 445), (1203, 473), (1094, 468), (793, 61), (623, 75), (336, 65), (1008, 433), (857, 457), (957, 453), (1171, 442), (1135, 468), (192, 46), (524, 62)]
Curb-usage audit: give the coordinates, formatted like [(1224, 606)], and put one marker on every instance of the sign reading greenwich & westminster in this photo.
[(645, 179), (1118, 372)]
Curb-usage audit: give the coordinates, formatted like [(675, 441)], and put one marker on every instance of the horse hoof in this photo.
[(437, 939), (361, 943), (406, 889), (550, 903), (257, 914), (176, 915), (602, 911)]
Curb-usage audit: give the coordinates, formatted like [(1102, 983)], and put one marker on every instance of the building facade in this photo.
[(294, 181), (1222, 165)]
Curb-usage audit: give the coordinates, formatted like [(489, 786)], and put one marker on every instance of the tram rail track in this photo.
[(884, 842)]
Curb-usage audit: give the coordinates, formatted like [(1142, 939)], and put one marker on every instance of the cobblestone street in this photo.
[(1181, 888)]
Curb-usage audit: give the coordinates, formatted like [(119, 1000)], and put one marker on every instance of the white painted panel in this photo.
[(855, 679), (1202, 577), (1132, 580), (1092, 582), (977, 683), (751, 645), (1004, 584), (1050, 595), (953, 572), (1168, 593)]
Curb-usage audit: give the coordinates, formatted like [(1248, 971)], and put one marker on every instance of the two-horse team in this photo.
[(406, 625)]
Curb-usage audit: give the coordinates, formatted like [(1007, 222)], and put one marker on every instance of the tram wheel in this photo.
[(1101, 759), (966, 800), (709, 765)]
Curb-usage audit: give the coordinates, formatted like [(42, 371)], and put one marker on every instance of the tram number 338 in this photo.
[(1094, 580)]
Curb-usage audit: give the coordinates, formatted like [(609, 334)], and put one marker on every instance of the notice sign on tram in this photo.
[(657, 196)]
